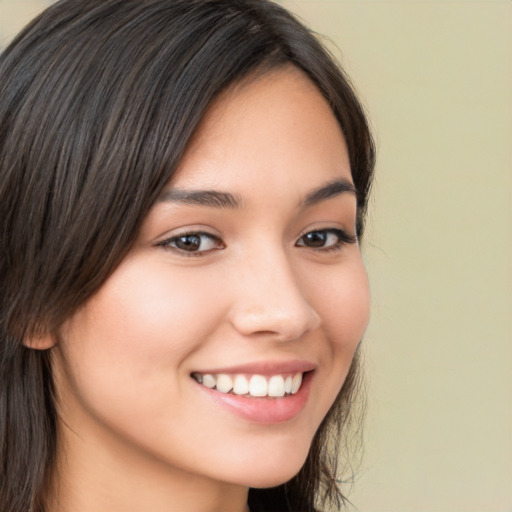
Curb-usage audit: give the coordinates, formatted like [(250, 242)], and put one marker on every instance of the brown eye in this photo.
[(326, 239), (188, 242), (193, 243), (315, 239)]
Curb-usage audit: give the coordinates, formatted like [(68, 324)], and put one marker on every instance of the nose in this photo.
[(269, 300)]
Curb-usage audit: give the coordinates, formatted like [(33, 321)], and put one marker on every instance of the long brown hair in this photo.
[(98, 100)]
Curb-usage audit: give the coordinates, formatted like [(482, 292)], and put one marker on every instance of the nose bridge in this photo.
[(270, 299)]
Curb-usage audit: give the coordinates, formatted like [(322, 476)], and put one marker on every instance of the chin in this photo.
[(273, 479), (272, 470)]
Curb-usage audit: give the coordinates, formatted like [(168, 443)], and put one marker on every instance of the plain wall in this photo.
[(436, 77)]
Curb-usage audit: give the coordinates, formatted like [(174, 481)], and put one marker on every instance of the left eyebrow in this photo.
[(207, 198), (329, 190)]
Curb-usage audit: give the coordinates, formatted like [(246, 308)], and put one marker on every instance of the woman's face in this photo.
[(246, 273)]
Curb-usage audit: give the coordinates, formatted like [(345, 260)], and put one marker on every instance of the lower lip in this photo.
[(264, 410)]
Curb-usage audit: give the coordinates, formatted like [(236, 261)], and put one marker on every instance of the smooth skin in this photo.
[(267, 280)]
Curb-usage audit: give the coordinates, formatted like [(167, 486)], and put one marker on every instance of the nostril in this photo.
[(271, 324)]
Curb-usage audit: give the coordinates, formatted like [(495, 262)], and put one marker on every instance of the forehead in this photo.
[(276, 128)]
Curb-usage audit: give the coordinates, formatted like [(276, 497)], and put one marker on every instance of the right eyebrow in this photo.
[(208, 198)]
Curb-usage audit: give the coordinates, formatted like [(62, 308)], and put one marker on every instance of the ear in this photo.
[(40, 341)]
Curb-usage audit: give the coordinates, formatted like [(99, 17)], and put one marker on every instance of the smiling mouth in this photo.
[(279, 385)]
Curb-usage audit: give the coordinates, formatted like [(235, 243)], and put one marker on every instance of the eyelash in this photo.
[(343, 238)]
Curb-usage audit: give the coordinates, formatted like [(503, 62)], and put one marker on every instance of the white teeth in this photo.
[(224, 383), (241, 385), (257, 385), (276, 386), (288, 384), (296, 382), (209, 381)]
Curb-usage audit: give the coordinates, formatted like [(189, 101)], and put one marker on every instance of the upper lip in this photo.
[(264, 368)]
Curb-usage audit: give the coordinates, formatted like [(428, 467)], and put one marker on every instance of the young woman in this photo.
[(182, 192)]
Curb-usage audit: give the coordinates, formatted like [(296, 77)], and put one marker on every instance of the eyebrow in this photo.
[(218, 199), (329, 190), (209, 198)]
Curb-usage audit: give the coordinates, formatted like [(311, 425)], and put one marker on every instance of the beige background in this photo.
[(436, 77)]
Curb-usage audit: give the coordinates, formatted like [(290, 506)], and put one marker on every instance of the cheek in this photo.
[(131, 339), (343, 301), (152, 312), (342, 298)]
